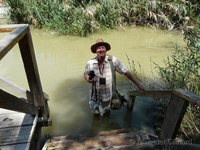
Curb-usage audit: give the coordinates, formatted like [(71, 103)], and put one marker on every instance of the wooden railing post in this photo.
[(131, 102), (175, 112), (31, 69)]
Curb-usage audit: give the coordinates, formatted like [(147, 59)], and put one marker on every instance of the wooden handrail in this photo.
[(179, 100), (11, 102), (21, 34), (10, 27), (12, 39), (15, 90), (151, 93), (188, 96)]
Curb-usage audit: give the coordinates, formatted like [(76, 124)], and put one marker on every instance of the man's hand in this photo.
[(135, 81), (141, 88), (87, 78)]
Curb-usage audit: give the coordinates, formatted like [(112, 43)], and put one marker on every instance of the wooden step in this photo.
[(16, 130), (122, 138)]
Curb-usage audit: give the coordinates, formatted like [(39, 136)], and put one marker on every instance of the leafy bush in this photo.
[(182, 70), (82, 17)]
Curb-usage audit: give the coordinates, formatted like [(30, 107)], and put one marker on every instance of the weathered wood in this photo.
[(24, 146), (10, 40), (46, 96), (152, 93), (15, 90), (11, 102), (35, 135), (15, 135), (131, 102), (44, 123), (10, 27), (6, 29), (16, 119), (101, 140), (6, 111), (30, 65), (190, 97), (174, 116)]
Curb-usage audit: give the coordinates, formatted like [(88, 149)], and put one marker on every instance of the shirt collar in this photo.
[(96, 61)]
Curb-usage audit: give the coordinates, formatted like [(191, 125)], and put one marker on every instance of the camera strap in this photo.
[(94, 91), (114, 90)]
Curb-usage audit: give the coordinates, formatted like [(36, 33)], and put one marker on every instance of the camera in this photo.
[(91, 74)]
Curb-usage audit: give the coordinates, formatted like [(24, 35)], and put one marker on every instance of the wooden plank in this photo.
[(131, 102), (15, 119), (24, 146), (187, 96), (11, 102), (15, 90), (6, 29), (10, 40), (11, 26), (174, 116), (151, 93), (6, 111), (15, 135), (35, 135), (44, 123), (30, 65)]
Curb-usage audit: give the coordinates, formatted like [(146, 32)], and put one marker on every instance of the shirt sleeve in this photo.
[(87, 68), (119, 67)]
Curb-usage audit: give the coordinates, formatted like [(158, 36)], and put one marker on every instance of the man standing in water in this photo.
[(98, 72)]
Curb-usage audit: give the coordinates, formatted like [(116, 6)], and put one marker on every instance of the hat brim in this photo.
[(94, 46)]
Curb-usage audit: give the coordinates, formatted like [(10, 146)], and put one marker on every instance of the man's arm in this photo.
[(134, 80)]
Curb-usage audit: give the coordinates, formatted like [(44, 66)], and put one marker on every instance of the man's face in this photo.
[(101, 51)]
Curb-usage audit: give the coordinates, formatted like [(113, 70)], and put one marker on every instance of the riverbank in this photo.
[(75, 17)]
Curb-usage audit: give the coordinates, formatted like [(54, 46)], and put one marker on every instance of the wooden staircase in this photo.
[(23, 113)]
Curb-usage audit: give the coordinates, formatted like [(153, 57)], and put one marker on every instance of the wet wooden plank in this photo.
[(187, 96), (11, 102), (7, 43), (152, 93)]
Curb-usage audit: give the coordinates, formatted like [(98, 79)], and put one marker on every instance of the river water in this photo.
[(61, 62)]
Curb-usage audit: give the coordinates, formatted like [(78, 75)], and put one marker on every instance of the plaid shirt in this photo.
[(104, 93)]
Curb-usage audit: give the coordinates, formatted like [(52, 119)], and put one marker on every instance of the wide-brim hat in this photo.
[(100, 42)]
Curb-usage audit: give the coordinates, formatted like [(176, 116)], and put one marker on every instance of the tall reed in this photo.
[(182, 70), (82, 17)]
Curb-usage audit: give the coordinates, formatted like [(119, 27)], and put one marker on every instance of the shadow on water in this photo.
[(71, 114)]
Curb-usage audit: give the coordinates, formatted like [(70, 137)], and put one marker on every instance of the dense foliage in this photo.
[(182, 70), (82, 17)]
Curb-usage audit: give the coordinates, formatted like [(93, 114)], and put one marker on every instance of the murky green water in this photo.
[(61, 61)]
